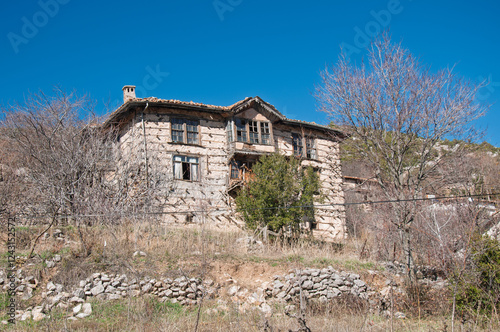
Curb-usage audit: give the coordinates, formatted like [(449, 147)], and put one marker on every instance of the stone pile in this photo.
[(245, 299), (53, 297), (37, 313), (50, 263), (321, 284), (422, 271), (24, 285), (112, 287), (185, 291)]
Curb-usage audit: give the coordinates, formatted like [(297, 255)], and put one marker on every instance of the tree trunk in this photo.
[(40, 235)]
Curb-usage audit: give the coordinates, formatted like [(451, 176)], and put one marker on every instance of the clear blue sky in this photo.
[(221, 51)]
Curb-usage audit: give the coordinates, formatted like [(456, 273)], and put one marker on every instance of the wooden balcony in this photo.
[(240, 174)]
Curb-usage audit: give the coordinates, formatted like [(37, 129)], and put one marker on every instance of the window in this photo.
[(241, 169), (298, 146), (229, 130), (265, 132), (241, 130), (177, 130), (192, 131), (185, 131), (235, 169), (249, 131), (253, 129), (310, 148), (186, 168), (313, 224)]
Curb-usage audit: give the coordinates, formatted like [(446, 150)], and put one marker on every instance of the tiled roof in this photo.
[(189, 103), (236, 107)]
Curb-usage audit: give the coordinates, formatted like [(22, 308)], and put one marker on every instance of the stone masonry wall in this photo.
[(184, 201)]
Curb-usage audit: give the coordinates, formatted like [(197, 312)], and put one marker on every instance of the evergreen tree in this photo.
[(280, 195)]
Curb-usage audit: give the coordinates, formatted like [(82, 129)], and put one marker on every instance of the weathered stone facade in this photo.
[(201, 155)]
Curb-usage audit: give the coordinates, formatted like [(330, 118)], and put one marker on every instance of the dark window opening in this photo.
[(186, 168), (192, 131), (186, 171)]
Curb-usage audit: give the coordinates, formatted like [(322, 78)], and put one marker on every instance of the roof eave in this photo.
[(246, 103), (124, 108), (249, 102), (315, 126)]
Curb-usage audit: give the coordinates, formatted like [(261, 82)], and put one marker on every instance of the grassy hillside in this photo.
[(227, 258)]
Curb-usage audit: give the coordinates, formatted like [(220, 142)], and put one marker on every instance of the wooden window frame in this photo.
[(298, 149), (186, 162), (244, 129), (253, 132), (248, 124), (185, 123), (310, 148), (268, 134), (235, 169), (304, 146)]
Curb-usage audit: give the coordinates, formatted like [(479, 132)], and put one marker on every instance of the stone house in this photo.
[(204, 154)]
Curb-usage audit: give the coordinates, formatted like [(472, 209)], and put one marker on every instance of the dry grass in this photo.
[(147, 314), (170, 248), (202, 252)]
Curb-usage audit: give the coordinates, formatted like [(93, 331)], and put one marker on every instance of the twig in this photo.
[(40, 235)]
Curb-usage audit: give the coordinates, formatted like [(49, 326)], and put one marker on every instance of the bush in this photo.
[(280, 194), (478, 287)]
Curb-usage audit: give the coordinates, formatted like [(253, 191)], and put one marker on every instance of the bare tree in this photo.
[(66, 163), (11, 188), (398, 110), (473, 172)]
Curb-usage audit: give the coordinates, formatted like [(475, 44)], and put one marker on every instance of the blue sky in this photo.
[(219, 52)]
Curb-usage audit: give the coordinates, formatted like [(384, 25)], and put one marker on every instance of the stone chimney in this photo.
[(128, 93)]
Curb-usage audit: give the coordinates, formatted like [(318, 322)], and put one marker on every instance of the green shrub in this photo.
[(280, 195), (478, 286)]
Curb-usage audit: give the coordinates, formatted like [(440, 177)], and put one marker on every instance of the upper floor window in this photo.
[(310, 148), (265, 132), (229, 130), (253, 130), (241, 130), (304, 146), (186, 168), (298, 145), (250, 131), (185, 131)]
